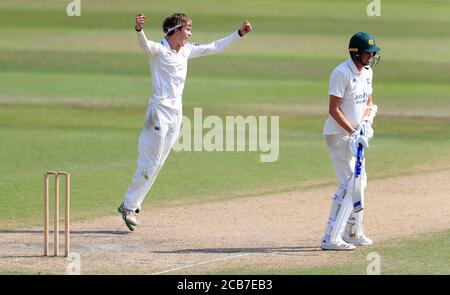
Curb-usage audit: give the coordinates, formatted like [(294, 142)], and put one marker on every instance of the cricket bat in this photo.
[(357, 183)]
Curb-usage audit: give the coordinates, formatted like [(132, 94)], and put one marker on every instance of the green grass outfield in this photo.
[(73, 95)]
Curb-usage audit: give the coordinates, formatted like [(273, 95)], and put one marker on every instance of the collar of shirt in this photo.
[(167, 45), (353, 66)]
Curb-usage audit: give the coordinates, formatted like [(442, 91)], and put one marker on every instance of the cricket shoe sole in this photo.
[(340, 246)]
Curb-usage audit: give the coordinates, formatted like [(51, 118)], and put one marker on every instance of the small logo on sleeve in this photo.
[(144, 174)]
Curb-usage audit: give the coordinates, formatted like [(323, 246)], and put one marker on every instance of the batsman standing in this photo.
[(349, 125), (168, 62)]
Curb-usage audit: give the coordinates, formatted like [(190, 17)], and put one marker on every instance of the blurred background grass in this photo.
[(74, 90)]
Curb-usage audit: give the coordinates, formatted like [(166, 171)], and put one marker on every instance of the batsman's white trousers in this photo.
[(159, 134), (341, 157), (344, 166)]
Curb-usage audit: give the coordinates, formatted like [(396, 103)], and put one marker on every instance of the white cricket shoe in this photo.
[(129, 216), (361, 240), (338, 246)]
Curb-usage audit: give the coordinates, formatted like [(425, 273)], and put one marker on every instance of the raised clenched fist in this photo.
[(140, 20), (246, 28)]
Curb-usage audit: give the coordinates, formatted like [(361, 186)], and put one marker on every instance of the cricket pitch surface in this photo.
[(279, 231)]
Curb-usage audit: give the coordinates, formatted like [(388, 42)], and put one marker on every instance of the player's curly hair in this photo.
[(175, 22)]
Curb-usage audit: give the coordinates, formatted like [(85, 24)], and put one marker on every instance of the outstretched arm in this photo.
[(149, 46), (219, 45)]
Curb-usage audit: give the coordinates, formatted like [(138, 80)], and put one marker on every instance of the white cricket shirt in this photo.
[(354, 89), (169, 67)]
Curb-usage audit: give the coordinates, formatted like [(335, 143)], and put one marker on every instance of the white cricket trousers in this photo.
[(341, 211), (159, 134)]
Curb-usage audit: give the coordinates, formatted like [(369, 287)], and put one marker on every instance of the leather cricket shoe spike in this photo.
[(129, 217)]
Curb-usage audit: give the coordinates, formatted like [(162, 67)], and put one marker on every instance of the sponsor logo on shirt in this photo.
[(361, 98)]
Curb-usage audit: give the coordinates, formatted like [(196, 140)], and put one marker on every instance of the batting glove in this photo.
[(366, 128), (355, 139)]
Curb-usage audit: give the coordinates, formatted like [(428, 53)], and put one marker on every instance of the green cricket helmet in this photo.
[(363, 42)]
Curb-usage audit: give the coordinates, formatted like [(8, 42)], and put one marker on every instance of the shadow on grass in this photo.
[(72, 232), (41, 232), (28, 256), (274, 250)]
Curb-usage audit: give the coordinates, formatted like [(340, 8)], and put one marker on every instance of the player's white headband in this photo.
[(173, 28)]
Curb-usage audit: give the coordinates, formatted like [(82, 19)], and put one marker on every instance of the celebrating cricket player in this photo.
[(168, 62), (347, 132)]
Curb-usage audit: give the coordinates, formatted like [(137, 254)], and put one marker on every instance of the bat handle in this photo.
[(360, 151), (359, 156)]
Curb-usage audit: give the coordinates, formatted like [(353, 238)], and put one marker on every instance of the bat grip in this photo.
[(358, 160)]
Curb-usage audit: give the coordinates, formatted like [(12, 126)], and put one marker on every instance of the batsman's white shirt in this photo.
[(354, 88), (169, 68)]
